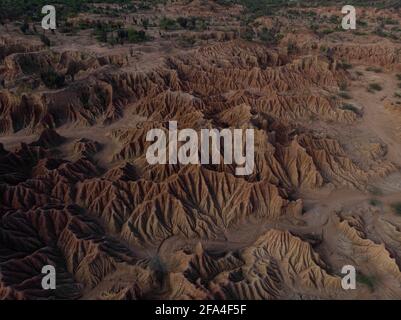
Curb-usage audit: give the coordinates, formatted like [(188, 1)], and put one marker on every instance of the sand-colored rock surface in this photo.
[(77, 192)]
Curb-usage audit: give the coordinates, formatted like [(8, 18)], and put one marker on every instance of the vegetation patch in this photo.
[(344, 95), (351, 107), (52, 79), (369, 281), (396, 207), (374, 69), (375, 202), (375, 87)]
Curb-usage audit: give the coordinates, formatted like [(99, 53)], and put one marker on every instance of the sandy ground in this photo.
[(377, 125), (376, 118)]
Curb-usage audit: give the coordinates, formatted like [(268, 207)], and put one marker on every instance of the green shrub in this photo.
[(380, 32), (375, 202), (225, 3), (396, 207), (52, 79), (345, 95), (248, 34), (135, 36), (270, 36), (352, 108), (101, 35), (389, 21), (327, 31), (369, 281), (129, 35), (102, 29), (145, 23), (84, 25), (374, 69), (334, 19), (345, 65), (375, 87), (362, 23), (192, 23), (168, 24)]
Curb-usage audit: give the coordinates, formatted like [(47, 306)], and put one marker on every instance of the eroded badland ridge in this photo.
[(77, 192)]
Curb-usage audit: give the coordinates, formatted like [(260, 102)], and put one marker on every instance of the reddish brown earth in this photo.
[(77, 192)]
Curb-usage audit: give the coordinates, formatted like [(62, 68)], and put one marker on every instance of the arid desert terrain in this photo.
[(77, 192)]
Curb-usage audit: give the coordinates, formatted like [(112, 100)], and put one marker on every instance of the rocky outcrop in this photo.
[(79, 194)]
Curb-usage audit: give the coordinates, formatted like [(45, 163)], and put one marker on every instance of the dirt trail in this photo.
[(376, 118)]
